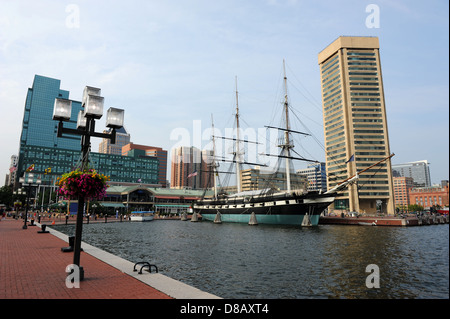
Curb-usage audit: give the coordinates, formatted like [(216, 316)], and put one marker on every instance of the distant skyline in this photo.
[(171, 64)]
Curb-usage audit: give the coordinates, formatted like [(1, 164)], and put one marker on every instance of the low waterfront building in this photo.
[(161, 200), (429, 196)]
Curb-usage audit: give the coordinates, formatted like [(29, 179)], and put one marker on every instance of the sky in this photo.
[(174, 65)]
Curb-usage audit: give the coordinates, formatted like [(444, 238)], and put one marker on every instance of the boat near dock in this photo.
[(273, 204), (142, 216)]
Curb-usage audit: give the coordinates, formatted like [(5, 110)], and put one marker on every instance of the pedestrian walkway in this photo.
[(32, 266)]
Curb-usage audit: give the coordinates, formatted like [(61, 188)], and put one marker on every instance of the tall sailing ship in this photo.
[(269, 205)]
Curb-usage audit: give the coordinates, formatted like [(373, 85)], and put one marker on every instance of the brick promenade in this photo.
[(32, 266)]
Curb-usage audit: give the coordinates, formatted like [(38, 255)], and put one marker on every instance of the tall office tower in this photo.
[(419, 171), (41, 147), (157, 152), (355, 125), (190, 168), (11, 177), (39, 130), (122, 139)]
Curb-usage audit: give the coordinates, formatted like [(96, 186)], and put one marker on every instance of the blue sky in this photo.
[(173, 63)]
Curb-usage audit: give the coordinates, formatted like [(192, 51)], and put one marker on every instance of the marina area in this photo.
[(238, 261), (410, 220)]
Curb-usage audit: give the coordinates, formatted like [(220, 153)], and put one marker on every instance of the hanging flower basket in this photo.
[(87, 184)]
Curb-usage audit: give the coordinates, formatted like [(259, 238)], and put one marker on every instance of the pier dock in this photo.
[(33, 267), (385, 220)]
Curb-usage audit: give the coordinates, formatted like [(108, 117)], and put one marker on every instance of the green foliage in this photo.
[(415, 208), (6, 196)]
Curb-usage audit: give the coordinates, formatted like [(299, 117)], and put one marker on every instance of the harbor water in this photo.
[(285, 262)]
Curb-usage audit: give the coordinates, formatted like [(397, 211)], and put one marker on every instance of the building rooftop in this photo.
[(355, 42), (157, 191)]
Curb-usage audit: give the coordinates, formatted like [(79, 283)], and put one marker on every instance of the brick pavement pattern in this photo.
[(32, 266)]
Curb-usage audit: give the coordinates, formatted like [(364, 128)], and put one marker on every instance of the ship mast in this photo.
[(287, 144), (238, 156), (214, 166)]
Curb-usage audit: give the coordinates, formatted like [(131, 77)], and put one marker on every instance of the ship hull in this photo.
[(282, 211), (262, 219)]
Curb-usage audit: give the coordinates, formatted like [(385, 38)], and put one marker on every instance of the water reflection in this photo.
[(239, 261)]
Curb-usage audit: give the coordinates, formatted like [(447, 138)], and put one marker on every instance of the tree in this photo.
[(415, 208), (44, 198), (6, 195)]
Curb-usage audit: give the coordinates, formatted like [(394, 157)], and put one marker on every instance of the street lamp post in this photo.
[(29, 182), (93, 212), (93, 109), (17, 203)]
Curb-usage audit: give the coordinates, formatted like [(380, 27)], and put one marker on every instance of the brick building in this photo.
[(429, 196), (402, 186), (189, 168), (157, 152)]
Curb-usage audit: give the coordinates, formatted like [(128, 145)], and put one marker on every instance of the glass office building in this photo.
[(122, 169), (40, 146), (419, 171), (38, 127), (317, 177)]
